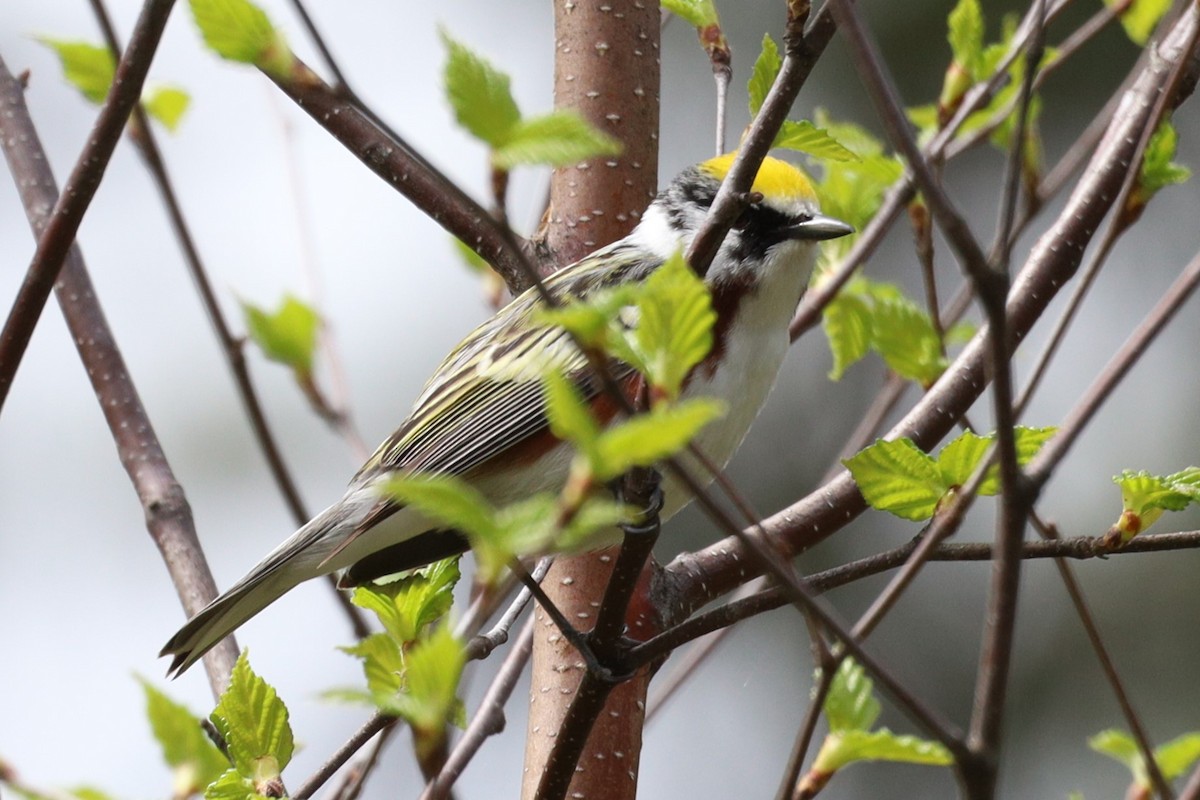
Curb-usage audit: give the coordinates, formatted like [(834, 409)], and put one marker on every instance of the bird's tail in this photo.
[(301, 557)]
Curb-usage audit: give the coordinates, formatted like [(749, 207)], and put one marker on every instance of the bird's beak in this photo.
[(819, 228)]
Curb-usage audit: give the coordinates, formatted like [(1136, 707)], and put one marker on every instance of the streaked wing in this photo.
[(486, 397)]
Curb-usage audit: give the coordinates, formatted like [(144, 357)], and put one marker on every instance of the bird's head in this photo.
[(783, 221)]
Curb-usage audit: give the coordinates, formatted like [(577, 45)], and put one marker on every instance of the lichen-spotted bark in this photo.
[(607, 70)]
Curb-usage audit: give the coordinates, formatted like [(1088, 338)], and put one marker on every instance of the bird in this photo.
[(482, 416)]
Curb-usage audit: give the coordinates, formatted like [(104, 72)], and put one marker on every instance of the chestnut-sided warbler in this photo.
[(482, 416)]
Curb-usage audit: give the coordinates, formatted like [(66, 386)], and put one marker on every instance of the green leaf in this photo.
[(289, 335), (674, 328), (238, 30), (1144, 498), (847, 323), (851, 708), (905, 338), (648, 438), (762, 76), (596, 515), (700, 13), (405, 607), (1028, 441), (853, 190), (1177, 756), (383, 667), (1174, 758), (1187, 482), (254, 724), (841, 749), (850, 704), (961, 332), (1158, 169), (428, 698), (897, 477), (522, 528), (807, 138), (473, 260), (1121, 747), (89, 68), (446, 500), (557, 139), (595, 320), (1141, 17), (167, 104), (232, 785), (966, 36), (959, 459), (479, 94), (194, 759), (570, 416)]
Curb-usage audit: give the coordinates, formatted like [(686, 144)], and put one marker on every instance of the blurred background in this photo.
[(85, 603)]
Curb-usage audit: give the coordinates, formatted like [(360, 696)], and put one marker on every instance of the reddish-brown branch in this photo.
[(607, 70)]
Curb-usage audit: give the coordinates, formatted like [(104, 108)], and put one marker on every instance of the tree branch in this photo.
[(58, 232), (168, 515)]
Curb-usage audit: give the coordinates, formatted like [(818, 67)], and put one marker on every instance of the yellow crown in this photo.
[(776, 179)]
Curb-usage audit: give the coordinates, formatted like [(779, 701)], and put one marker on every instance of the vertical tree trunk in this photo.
[(606, 69)]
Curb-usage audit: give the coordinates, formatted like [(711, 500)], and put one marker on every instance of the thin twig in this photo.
[(481, 645), (1109, 667), (1068, 431), (343, 754), (61, 225), (804, 735), (1080, 548), (356, 776)]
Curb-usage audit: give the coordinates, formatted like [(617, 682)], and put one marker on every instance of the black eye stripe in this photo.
[(763, 220)]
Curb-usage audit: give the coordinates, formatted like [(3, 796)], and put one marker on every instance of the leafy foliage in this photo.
[(805, 137), (254, 724), (762, 75), (194, 759), (1173, 758), (700, 13), (853, 190), (238, 30), (674, 319), (413, 668), (90, 68), (897, 477), (287, 335), (799, 135), (87, 67), (1144, 498), (428, 699), (1141, 18), (965, 24), (408, 605), (1159, 169), (869, 315), (167, 104), (497, 535), (481, 97), (851, 708), (641, 441)]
